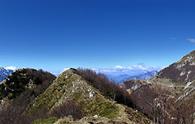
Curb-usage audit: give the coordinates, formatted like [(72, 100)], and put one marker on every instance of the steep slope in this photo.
[(169, 96), (180, 75), (23, 86), (71, 86), (182, 71), (4, 73)]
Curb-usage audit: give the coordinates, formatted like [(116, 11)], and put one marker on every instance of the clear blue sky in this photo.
[(53, 34)]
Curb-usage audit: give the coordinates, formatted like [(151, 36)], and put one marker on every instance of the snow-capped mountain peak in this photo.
[(4, 73)]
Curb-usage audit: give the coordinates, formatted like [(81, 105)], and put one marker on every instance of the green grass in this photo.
[(49, 120), (98, 105), (51, 95)]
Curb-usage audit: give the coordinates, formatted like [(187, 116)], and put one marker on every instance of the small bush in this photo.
[(68, 108), (15, 115)]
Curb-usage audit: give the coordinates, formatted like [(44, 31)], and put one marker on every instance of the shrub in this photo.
[(68, 108), (15, 115), (159, 104)]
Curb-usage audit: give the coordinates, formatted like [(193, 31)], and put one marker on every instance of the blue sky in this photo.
[(53, 34)]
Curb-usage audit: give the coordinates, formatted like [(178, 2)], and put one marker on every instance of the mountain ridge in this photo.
[(182, 71), (93, 103)]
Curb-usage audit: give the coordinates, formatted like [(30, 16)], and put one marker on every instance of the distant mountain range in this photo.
[(118, 73), (4, 73), (135, 72)]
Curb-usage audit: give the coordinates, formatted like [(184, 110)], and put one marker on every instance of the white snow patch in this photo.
[(135, 87), (95, 116), (187, 85), (185, 94), (158, 105), (90, 94), (188, 75), (182, 73)]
